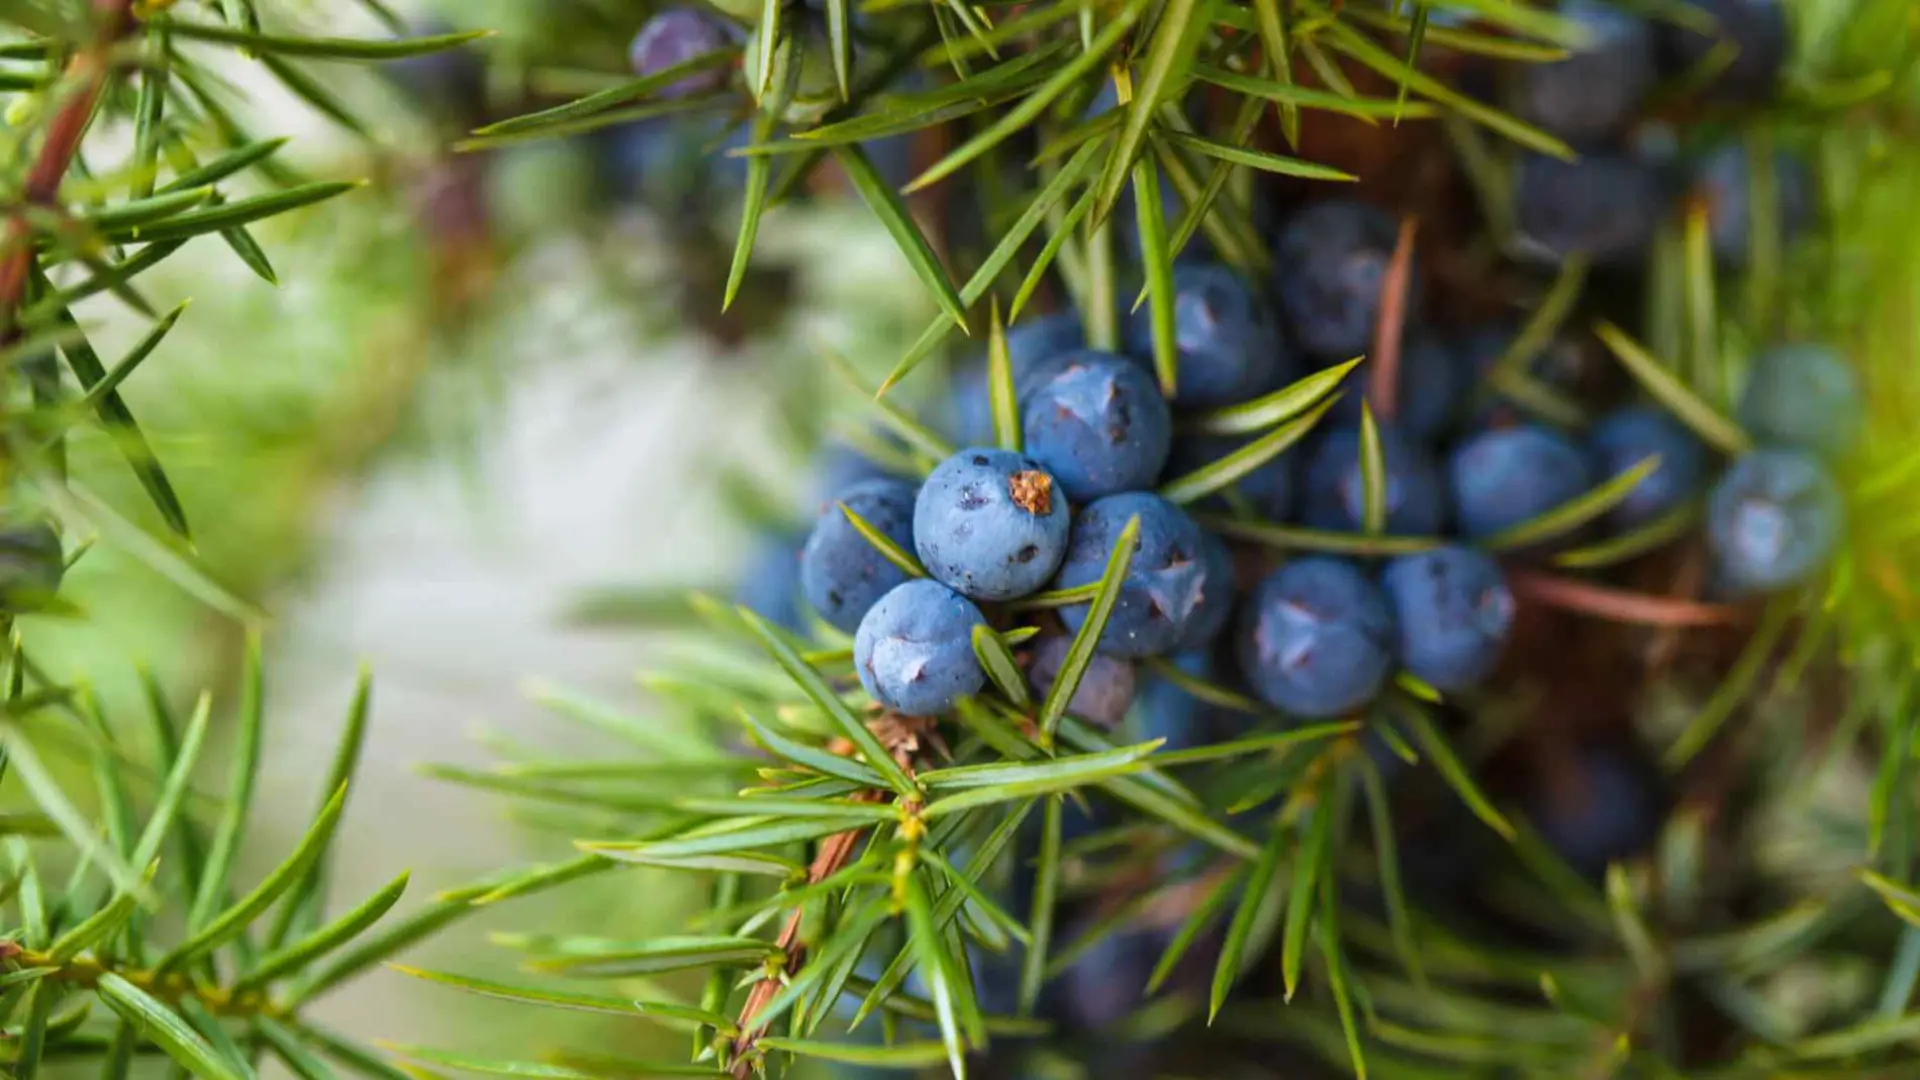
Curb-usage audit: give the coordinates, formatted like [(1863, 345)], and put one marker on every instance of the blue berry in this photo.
[(1757, 32), (1268, 489), (1627, 437), (1596, 91), (1330, 261), (990, 524), (674, 36), (1099, 425), (1164, 582), (1316, 638), (31, 566), (841, 574), (1216, 595), (1725, 181), (1454, 613), (1801, 396), (1336, 485), (914, 650), (1773, 519), (770, 587), (1604, 205), (1602, 805), (1106, 688), (1507, 476), (1428, 389), (1228, 341)]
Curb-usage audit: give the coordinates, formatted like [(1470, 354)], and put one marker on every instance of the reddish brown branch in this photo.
[(86, 76), (1618, 605), (1384, 386)]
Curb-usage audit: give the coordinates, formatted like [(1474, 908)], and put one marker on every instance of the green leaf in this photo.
[(175, 788), (245, 770), (233, 161), (673, 953), (908, 1055), (753, 203), (1080, 653), (1387, 855), (815, 687), (1290, 96), (772, 38), (79, 831), (849, 939), (698, 842), (1061, 769), (612, 97), (937, 968), (1575, 512), (1001, 395), (1902, 900), (838, 44), (737, 806), (821, 761), (1440, 752), (234, 214), (884, 544), (299, 955), (134, 213), (1024, 114), (164, 1028), (236, 918), (568, 999), (1337, 975), (1357, 46), (1263, 413), (916, 434), (542, 1070), (319, 48), (1257, 905), (1058, 598), (998, 662), (346, 758), (1278, 164), (1714, 427), (1254, 744), (1064, 231), (1156, 257), (1311, 863), (1196, 923), (95, 928), (1231, 468), (1736, 688), (1075, 772), (35, 1034), (1635, 542), (297, 1058), (132, 361), (1373, 475), (899, 224), (1182, 24), (118, 419)]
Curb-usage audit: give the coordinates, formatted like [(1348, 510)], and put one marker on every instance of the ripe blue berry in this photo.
[(1106, 688), (990, 524), (674, 36), (1099, 425), (1454, 613), (1169, 712), (1164, 583), (841, 574), (1725, 181), (1508, 476), (1627, 437), (1607, 206), (1216, 595), (1756, 30), (1268, 490), (1596, 91), (1773, 519), (1601, 805), (770, 587), (914, 650), (1228, 341), (1428, 389), (1801, 396), (1316, 638), (1336, 485), (1330, 261)]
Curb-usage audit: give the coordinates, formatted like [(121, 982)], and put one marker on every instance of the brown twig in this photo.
[(1383, 386), (87, 72), (903, 737), (1618, 605)]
